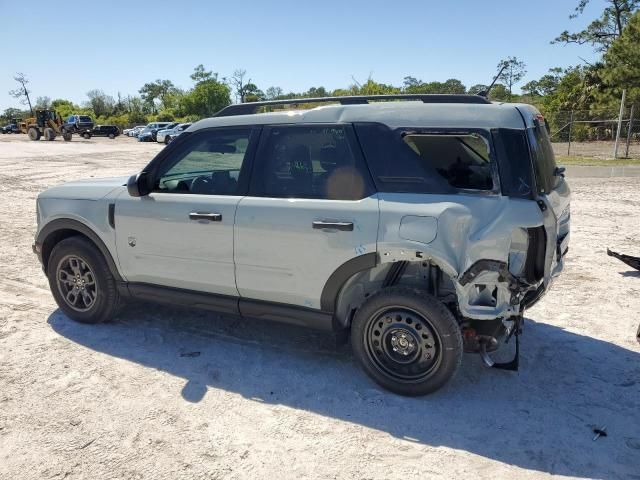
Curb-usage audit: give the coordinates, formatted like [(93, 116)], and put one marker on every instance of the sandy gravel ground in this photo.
[(165, 393), (602, 149)]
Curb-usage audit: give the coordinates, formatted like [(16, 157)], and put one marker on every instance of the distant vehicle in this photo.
[(13, 126), (129, 131), (8, 128), (110, 131), (165, 136), (81, 124), (47, 124), (150, 131)]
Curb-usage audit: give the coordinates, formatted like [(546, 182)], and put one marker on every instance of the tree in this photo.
[(156, 91), (477, 88), (201, 75), (238, 83), (100, 103), (206, 98), (603, 31), (252, 93), (546, 85), (622, 61), (273, 93), (11, 112), (512, 71), (43, 103), (22, 91)]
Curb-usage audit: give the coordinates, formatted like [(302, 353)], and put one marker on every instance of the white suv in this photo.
[(424, 227)]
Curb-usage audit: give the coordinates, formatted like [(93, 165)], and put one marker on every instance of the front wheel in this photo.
[(112, 136), (81, 283), (406, 341), (34, 134), (86, 135)]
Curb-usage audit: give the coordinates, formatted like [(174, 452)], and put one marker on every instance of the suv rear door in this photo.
[(310, 209)]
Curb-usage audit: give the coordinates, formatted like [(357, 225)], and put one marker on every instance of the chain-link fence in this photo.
[(593, 132)]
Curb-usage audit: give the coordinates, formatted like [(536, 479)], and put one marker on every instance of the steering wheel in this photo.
[(202, 184)]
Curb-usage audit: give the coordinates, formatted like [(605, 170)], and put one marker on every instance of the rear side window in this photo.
[(463, 160), (544, 160), (425, 162), (310, 162)]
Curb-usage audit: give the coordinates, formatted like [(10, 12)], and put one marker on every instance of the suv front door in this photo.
[(310, 209), (181, 234)]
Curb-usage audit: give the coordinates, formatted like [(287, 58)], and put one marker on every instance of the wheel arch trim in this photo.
[(79, 227), (332, 287)]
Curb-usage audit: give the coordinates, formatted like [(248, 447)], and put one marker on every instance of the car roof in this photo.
[(394, 114)]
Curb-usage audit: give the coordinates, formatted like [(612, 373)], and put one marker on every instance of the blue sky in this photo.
[(117, 46)]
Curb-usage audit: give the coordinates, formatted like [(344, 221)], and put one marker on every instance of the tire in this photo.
[(419, 344), (49, 134), (76, 265), (86, 135), (34, 134), (167, 139), (112, 136), (67, 136)]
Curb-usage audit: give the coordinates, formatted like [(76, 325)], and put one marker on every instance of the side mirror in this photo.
[(137, 185)]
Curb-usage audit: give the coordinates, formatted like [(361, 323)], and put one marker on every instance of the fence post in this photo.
[(615, 148), (570, 128), (629, 130)]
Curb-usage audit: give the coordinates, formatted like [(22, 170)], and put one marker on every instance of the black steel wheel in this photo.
[(407, 341), (81, 283)]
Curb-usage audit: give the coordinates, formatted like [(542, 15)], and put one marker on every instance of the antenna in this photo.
[(485, 93)]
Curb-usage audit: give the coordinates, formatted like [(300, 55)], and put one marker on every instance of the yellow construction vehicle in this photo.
[(47, 124)]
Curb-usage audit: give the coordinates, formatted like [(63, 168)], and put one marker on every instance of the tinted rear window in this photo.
[(544, 160), (514, 162)]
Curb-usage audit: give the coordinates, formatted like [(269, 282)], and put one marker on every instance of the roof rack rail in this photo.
[(252, 107)]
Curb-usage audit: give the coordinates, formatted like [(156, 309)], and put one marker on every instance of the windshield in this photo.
[(84, 118)]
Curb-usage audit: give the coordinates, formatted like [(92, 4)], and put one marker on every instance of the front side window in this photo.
[(209, 163), (310, 162)]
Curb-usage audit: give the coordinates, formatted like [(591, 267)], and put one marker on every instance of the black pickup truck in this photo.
[(81, 124)]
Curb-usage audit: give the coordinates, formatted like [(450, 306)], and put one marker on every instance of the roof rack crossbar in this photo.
[(252, 107)]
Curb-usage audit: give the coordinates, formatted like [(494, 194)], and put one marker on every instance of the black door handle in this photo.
[(345, 226), (212, 217)]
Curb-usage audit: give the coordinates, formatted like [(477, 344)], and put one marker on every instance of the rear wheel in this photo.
[(82, 284), (49, 134), (112, 136), (67, 136), (407, 341), (86, 135), (34, 134), (167, 139)]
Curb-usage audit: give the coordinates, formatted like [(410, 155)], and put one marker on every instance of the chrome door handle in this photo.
[(212, 217), (345, 226)]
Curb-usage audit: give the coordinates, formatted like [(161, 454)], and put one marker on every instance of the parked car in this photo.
[(9, 128), (110, 131), (150, 131), (135, 131), (166, 135), (80, 124), (422, 228)]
